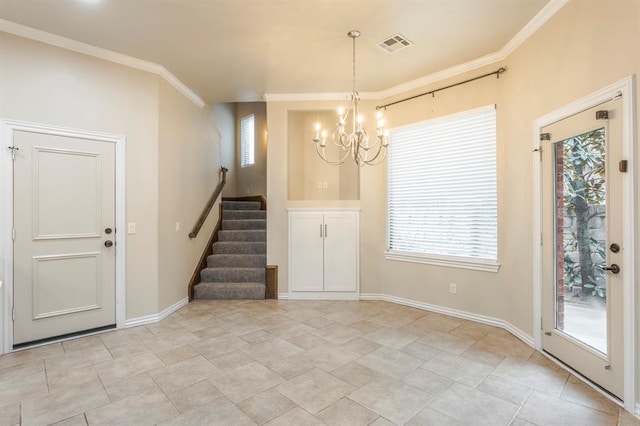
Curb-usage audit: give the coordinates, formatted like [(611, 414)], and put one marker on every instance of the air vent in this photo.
[(394, 43)]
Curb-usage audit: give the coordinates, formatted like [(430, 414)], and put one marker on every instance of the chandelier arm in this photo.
[(332, 162)]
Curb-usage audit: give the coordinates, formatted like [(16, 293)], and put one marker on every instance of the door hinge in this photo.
[(13, 152), (622, 166), (13, 234), (13, 314), (545, 136), (602, 115), (547, 333)]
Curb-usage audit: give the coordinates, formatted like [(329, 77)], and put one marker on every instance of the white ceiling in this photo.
[(238, 50)]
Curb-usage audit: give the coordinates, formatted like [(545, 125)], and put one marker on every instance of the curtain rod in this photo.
[(432, 92)]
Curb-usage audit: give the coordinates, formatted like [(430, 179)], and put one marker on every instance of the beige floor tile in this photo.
[(147, 408), (9, 413), (347, 317), (219, 345), (338, 334), (315, 390), (178, 354), (479, 355), (471, 406), (396, 319), (126, 349), (22, 387), (302, 315), (346, 413), (420, 350), (184, 373), (231, 360), (258, 336), (308, 341), (381, 421), (361, 346), (194, 396), (289, 330), (90, 343), (505, 389), (29, 355), (131, 386), (329, 358), (59, 363), (266, 406), (14, 372), (292, 366), (390, 362), (297, 416), (505, 345), (532, 375), (78, 420), (544, 409), (76, 377), (62, 404), (390, 337), (210, 333), (458, 369), (246, 381), (427, 381), (626, 419), (319, 322), (446, 342), (166, 326), (577, 391), (126, 335), (391, 399), (357, 374), (219, 412), (472, 330), (271, 351), (122, 368), (436, 322), (520, 422), (167, 341), (432, 418)]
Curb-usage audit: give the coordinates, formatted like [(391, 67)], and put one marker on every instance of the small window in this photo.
[(247, 141), (442, 191)]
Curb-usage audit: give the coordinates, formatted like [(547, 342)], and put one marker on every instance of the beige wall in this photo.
[(252, 180), (586, 46), (171, 153), (189, 164), (225, 115)]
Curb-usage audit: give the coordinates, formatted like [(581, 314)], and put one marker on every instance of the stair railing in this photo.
[(210, 203)]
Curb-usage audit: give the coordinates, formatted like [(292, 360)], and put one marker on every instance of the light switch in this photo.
[(131, 228), (177, 226)]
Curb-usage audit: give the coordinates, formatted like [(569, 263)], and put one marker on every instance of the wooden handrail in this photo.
[(210, 203)]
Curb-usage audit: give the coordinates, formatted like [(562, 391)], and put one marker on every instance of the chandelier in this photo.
[(353, 141)]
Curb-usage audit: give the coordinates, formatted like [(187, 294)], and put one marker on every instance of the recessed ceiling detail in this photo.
[(394, 43)]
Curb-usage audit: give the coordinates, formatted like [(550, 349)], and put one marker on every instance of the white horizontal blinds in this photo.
[(247, 137), (442, 186)]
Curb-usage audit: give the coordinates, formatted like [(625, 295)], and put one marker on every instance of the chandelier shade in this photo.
[(350, 136)]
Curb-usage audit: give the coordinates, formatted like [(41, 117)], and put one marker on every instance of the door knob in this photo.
[(613, 268), (108, 231), (108, 243)]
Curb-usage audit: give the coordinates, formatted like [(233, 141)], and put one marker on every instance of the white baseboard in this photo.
[(452, 312), (323, 295), (149, 319), (283, 296), (637, 413)]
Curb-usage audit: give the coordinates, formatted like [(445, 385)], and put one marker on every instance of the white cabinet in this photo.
[(323, 254)]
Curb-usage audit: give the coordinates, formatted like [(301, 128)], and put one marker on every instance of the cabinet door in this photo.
[(341, 251), (305, 251)]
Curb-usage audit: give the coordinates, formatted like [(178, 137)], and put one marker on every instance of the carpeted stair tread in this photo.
[(233, 275), (244, 224), (243, 214), (229, 291), (241, 205), (239, 247), (243, 235), (237, 261)]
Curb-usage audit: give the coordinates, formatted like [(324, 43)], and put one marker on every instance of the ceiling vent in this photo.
[(394, 43)]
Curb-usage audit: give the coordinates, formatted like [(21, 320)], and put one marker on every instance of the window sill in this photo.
[(484, 265)]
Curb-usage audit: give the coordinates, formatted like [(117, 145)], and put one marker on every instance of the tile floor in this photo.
[(297, 363)]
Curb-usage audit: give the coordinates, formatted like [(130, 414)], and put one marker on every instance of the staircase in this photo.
[(236, 269)]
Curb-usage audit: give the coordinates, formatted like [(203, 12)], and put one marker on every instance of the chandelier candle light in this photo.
[(354, 142)]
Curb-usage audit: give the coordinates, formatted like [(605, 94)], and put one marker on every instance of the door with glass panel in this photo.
[(582, 244)]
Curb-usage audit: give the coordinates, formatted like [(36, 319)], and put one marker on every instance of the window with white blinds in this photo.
[(442, 191), (247, 138)]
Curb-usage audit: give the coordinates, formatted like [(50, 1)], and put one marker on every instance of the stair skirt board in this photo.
[(236, 269)]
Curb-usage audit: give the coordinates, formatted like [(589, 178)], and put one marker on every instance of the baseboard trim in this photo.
[(452, 312), (150, 319), (283, 296), (637, 413)]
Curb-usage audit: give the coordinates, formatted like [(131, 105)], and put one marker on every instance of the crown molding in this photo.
[(521, 36), (98, 52)]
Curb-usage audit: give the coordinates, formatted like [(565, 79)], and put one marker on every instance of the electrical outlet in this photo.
[(453, 288), (131, 228), (177, 226), (319, 184)]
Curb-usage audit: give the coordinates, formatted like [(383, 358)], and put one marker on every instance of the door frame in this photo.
[(626, 88), (7, 129)]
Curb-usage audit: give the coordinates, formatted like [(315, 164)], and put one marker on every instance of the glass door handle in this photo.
[(613, 268)]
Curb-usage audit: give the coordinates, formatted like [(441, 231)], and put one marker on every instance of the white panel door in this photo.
[(64, 217), (305, 248), (340, 251)]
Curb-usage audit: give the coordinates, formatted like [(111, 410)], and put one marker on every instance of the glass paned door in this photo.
[(580, 234), (581, 244)]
